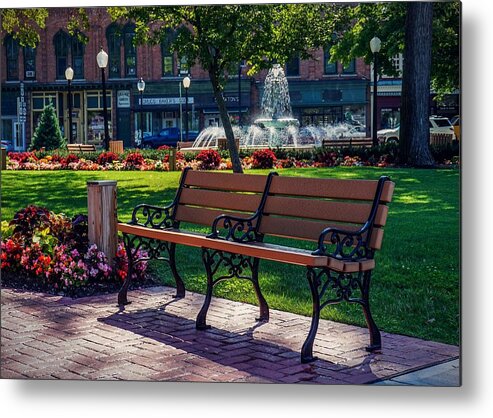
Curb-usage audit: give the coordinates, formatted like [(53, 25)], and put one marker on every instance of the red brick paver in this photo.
[(154, 339)]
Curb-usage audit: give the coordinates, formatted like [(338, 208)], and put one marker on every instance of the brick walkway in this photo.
[(154, 338)]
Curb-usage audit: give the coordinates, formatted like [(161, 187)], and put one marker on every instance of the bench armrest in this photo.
[(349, 245), (236, 228), (156, 217)]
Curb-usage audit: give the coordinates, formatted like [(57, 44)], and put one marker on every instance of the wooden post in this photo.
[(172, 159), (3, 158), (102, 216)]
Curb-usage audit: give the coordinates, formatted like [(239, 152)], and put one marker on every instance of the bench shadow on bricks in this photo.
[(239, 349)]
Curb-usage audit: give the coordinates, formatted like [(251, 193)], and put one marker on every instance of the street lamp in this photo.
[(375, 44), (240, 66), (141, 85), (186, 86), (102, 59), (69, 75)]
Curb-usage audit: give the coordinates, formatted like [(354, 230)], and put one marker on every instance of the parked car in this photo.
[(455, 121), (437, 124), (168, 136), (8, 145)]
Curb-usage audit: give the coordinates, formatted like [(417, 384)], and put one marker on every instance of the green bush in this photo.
[(48, 134)]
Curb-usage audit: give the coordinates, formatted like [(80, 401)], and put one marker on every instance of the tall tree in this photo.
[(415, 131), (219, 37)]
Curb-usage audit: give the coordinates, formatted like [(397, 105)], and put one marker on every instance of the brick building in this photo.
[(321, 92)]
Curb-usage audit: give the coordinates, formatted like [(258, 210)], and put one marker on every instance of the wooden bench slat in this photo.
[(309, 230), (324, 210), (220, 200), (226, 181), (259, 250), (330, 188), (204, 216)]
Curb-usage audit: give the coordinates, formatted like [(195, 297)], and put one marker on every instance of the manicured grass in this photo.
[(416, 284)]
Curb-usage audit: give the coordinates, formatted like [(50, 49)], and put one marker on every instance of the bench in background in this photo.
[(81, 147)]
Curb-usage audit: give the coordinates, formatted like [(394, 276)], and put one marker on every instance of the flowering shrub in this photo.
[(163, 148), (23, 157), (134, 160), (107, 158), (209, 159), (264, 158), (54, 250)]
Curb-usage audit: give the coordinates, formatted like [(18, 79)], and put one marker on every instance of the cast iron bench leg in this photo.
[(307, 349), (122, 294), (236, 265), (180, 286), (375, 337)]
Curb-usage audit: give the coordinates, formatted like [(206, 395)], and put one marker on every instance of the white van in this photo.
[(438, 124)]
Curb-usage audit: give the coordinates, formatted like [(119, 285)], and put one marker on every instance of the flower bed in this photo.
[(158, 160), (46, 251)]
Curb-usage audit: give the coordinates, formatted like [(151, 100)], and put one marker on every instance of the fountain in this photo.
[(276, 127)]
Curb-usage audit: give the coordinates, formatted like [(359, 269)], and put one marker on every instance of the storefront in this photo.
[(165, 105)]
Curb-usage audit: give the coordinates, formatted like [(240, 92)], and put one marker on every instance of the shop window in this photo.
[(39, 101), (114, 39), (329, 67), (95, 116), (12, 49), (293, 67), (29, 63), (130, 51), (350, 68)]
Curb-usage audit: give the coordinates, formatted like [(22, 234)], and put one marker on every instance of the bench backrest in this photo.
[(301, 208), (81, 147), (204, 195)]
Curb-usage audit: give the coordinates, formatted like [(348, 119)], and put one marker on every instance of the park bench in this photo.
[(81, 147), (347, 142), (344, 217)]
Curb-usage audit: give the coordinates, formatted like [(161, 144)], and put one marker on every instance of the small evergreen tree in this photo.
[(48, 134)]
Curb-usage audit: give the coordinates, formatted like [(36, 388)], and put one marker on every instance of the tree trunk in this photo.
[(228, 129), (414, 131)]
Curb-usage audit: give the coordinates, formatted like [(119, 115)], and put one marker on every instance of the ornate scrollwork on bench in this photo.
[(154, 216), (349, 245), (236, 229)]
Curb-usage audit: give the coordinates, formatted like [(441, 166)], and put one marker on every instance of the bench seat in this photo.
[(262, 250)]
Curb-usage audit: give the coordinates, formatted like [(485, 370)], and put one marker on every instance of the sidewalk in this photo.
[(154, 339)]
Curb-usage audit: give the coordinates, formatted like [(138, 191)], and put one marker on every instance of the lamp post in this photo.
[(69, 75), (141, 85), (239, 93), (186, 86), (102, 59), (375, 44)]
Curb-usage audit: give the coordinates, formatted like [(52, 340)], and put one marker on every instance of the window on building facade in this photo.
[(39, 101), (130, 51), (62, 46), (329, 67), (12, 50), (350, 68), (77, 51), (114, 39), (168, 60), (184, 67), (293, 67), (29, 63), (95, 116)]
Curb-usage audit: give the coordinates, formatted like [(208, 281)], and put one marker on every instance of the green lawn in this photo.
[(415, 289)]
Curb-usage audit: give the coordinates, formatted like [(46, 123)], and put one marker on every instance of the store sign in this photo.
[(160, 101), (21, 105), (123, 98)]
